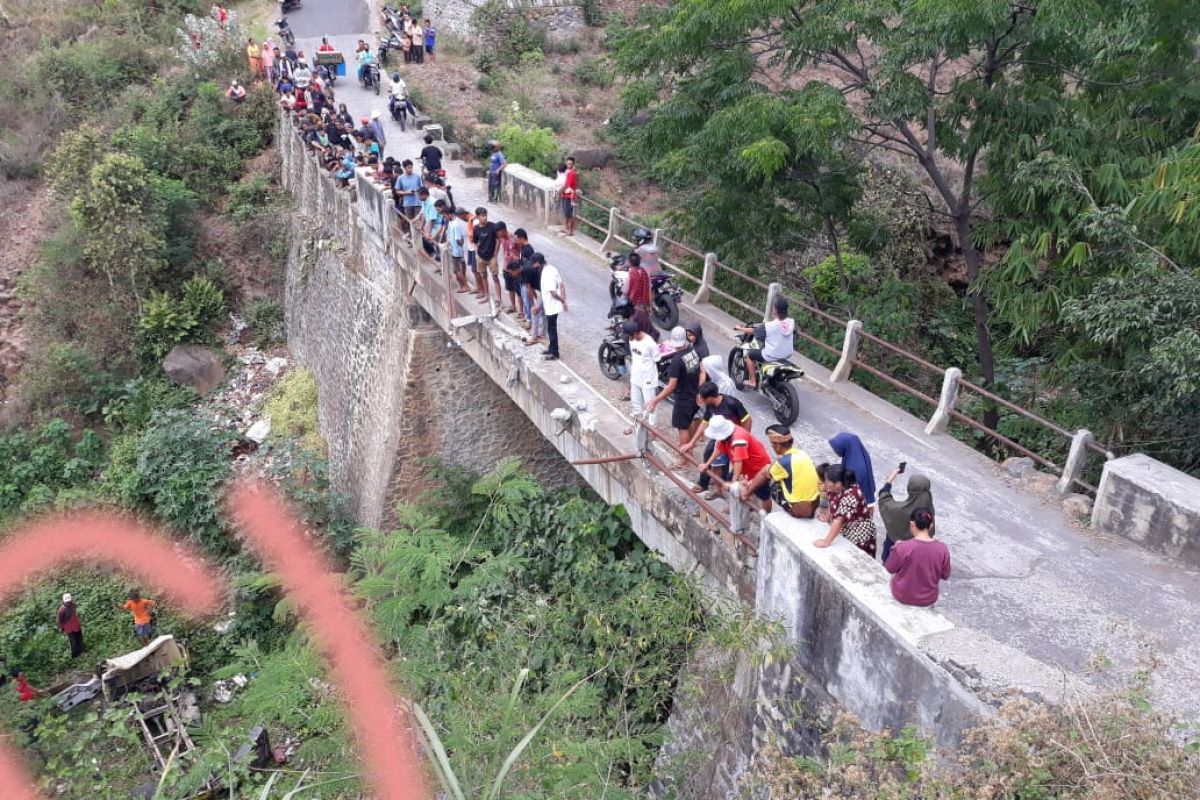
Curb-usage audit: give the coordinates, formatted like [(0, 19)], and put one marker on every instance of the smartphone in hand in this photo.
[(902, 467)]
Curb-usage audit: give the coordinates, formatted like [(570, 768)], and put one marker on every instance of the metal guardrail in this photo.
[(1081, 442)]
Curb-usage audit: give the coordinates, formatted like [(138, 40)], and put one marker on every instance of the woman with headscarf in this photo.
[(695, 335), (712, 368), (855, 457), (849, 514), (898, 514)]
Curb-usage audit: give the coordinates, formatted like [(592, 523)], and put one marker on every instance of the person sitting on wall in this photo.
[(918, 564)]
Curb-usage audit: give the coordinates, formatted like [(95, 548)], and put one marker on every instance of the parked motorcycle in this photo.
[(665, 296), (386, 45), (614, 354), (774, 377), (288, 5), (285, 32), (393, 19)]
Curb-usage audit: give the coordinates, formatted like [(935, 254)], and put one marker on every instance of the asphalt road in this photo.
[(1023, 574)]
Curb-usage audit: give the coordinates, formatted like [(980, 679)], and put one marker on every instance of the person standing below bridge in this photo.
[(793, 473), (849, 513), (142, 609), (553, 301), (69, 625), (684, 384), (855, 457), (496, 165), (898, 514), (918, 564)]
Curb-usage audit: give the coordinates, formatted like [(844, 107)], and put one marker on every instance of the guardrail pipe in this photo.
[(850, 343), (708, 279), (940, 420), (610, 238), (1076, 460)]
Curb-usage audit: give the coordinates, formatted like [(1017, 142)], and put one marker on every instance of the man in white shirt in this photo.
[(779, 344), (553, 301), (643, 371)]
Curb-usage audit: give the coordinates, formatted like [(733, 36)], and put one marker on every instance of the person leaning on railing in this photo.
[(792, 474)]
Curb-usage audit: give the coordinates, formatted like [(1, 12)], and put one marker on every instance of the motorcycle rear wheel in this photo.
[(737, 368), (785, 401), (666, 312), (610, 361)]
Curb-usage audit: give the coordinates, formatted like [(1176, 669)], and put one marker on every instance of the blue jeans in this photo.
[(494, 186), (720, 466)]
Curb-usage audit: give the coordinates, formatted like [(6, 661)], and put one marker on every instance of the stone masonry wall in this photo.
[(560, 18), (391, 392)]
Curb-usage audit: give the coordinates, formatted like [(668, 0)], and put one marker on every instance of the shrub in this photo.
[(564, 47), (827, 282), (87, 73), (552, 121), (135, 403), (486, 115), (487, 84), (165, 322), (205, 302), (35, 466), (595, 72), (250, 197), (177, 469), (265, 320), (63, 377), (292, 407)]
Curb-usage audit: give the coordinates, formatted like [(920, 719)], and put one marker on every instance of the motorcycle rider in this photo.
[(325, 46), (366, 59), (647, 252), (431, 157), (778, 345), (398, 101)]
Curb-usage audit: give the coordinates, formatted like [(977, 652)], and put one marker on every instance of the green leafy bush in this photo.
[(177, 468), (485, 115), (595, 72), (250, 197), (65, 377), (93, 72), (826, 277), (36, 466), (204, 301), (292, 407), (264, 316), (535, 147), (165, 322), (133, 405)]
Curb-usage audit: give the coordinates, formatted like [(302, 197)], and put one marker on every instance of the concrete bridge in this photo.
[(409, 369)]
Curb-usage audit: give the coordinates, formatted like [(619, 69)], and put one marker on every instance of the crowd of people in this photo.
[(494, 263)]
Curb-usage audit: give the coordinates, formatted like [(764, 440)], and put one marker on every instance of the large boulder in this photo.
[(596, 158), (194, 365)]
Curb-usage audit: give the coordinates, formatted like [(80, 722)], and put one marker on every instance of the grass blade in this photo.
[(441, 761)]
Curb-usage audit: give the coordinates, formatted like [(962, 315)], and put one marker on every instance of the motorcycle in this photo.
[(288, 5), (665, 296), (774, 377), (386, 45), (398, 107), (285, 32), (614, 354), (327, 75), (393, 19), (370, 80)]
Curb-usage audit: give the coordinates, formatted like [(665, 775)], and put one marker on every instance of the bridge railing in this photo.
[(714, 282)]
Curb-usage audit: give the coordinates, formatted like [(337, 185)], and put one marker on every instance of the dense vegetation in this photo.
[(1041, 161)]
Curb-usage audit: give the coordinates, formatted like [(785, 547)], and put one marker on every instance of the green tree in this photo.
[(958, 88), (120, 209)]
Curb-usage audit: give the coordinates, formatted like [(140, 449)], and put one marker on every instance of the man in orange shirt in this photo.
[(143, 619)]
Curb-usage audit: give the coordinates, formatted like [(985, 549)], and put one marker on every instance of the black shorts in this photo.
[(763, 492), (755, 354), (683, 413), (512, 283), (568, 208)]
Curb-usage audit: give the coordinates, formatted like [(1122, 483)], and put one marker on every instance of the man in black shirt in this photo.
[(484, 238), (713, 404), (431, 156), (684, 384)]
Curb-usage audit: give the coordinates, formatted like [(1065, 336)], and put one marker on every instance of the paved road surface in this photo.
[(1022, 574)]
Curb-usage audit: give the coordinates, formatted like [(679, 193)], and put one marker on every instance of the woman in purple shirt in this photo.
[(918, 564)]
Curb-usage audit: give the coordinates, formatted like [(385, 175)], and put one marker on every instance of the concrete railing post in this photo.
[(941, 415), (448, 274), (657, 241), (708, 279), (773, 292), (739, 510), (610, 239), (850, 342), (1076, 460)]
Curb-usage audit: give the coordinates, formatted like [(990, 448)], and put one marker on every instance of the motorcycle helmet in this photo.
[(641, 236)]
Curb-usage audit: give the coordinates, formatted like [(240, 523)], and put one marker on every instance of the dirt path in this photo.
[(23, 226)]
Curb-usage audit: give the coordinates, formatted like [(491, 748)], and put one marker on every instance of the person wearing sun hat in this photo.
[(69, 625), (747, 455)]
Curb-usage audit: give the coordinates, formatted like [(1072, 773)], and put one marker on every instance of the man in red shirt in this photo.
[(747, 455), (570, 195), (69, 625), (24, 690)]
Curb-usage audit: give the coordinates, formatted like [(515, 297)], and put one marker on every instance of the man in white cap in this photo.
[(377, 129), (747, 455), (68, 624)]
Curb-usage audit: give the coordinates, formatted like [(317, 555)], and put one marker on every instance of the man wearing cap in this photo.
[(793, 473), (69, 625), (747, 456), (714, 403), (302, 75), (376, 126)]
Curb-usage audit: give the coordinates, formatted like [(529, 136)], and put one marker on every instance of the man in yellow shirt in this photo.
[(796, 486), (143, 615)]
